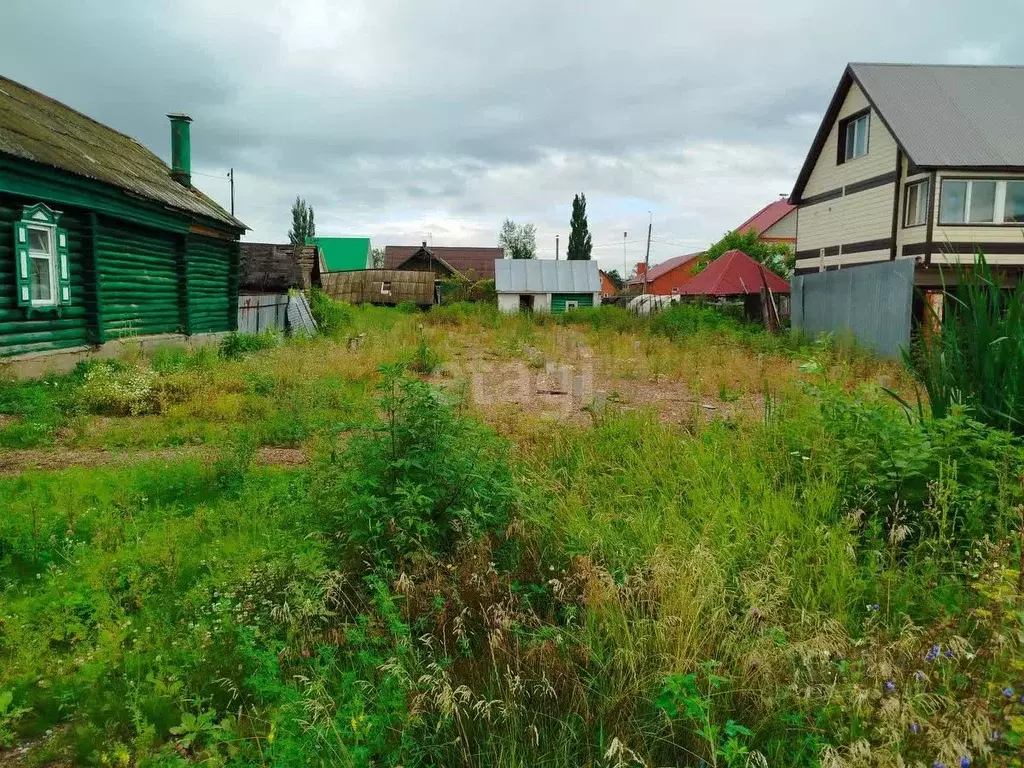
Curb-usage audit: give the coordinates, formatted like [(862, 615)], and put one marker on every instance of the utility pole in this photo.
[(231, 178), (647, 258), (625, 261), (556, 247)]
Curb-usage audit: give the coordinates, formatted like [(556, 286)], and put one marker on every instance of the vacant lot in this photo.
[(410, 543)]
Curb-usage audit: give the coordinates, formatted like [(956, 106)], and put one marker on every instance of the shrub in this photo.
[(420, 480), (407, 307), (332, 317), (603, 318), (425, 359), (236, 345), (111, 388), (685, 319)]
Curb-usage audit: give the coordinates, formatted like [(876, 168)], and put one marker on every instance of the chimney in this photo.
[(181, 149), (641, 269)]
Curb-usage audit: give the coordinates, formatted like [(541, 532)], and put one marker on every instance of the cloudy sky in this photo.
[(413, 119)]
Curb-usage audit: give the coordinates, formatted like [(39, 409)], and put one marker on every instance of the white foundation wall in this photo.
[(509, 302)]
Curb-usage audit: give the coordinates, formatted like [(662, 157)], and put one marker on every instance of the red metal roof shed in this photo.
[(733, 274)]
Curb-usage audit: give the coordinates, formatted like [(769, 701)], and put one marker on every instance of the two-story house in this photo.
[(915, 162)]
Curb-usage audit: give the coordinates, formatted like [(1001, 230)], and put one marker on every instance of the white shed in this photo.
[(542, 285)]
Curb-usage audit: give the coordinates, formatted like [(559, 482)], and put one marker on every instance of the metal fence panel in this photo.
[(871, 302), (262, 313)]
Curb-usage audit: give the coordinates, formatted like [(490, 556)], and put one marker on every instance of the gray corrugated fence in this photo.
[(872, 303), (262, 313)]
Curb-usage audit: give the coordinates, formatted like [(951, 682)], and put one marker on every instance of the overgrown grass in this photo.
[(828, 584), (975, 358)]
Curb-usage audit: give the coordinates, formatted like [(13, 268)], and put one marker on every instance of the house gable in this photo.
[(826, 175)]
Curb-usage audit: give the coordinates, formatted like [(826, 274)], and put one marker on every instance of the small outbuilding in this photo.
[(733, 275), (539, 285)]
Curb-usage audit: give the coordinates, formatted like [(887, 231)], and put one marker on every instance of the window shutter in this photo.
[(63, 268), (21, 265)]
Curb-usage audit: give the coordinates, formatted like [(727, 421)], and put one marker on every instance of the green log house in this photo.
[(99, 239)]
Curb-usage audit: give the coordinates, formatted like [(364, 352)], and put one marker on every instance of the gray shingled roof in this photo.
[(37, 128), (950, 115), (546, 276)]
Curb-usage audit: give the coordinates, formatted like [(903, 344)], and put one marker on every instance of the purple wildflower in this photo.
[(933, 653), (938, 764), (949, 653), (965, 762), (1008, 692), (915, 728), (890, 686), (919, 676), (874, 607)]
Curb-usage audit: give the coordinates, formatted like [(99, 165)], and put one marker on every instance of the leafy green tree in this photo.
[(616, 278), (580, 242), (518, 240), (778, 257), (303, 225), (377, 258)]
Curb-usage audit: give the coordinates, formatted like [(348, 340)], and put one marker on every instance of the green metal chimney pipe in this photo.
[(181, 149)]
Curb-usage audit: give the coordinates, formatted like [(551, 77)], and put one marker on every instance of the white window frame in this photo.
[(921, 212), (51, 257), (849, 146), (998, 208), (572, 304), (1002, 218)]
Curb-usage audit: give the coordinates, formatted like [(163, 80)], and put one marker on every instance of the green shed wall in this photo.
[(44, 330), (138, 271), (558, 300), (212, 282)]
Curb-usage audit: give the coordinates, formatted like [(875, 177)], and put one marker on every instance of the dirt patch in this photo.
[(15, 462)]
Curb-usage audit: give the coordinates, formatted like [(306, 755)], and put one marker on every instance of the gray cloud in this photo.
[(398, 118)]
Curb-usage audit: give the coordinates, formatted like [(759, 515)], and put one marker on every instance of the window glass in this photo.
[(860, 146), (983, 201), (916, 205), (953, 202), (40, 279), (39, 240), (1014, 201)]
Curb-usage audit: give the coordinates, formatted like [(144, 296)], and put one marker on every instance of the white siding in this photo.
[(855, 217), (784, 227), (881, 157)]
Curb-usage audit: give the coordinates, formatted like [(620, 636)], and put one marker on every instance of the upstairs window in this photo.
[(853, 136), (981, 201), (1013, 210), (915, 209), (42, 277)]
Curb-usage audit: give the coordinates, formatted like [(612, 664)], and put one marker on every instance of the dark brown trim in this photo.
[(932, 215), (833, 250), (896, 202), (866, 184), (811, 253), (915, 249), (882, 244), (996, 249), (851, 189), (913, 170), (805, 270), (824, 197)]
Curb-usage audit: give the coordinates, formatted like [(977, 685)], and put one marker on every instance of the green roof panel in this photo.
[(344, 254)]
